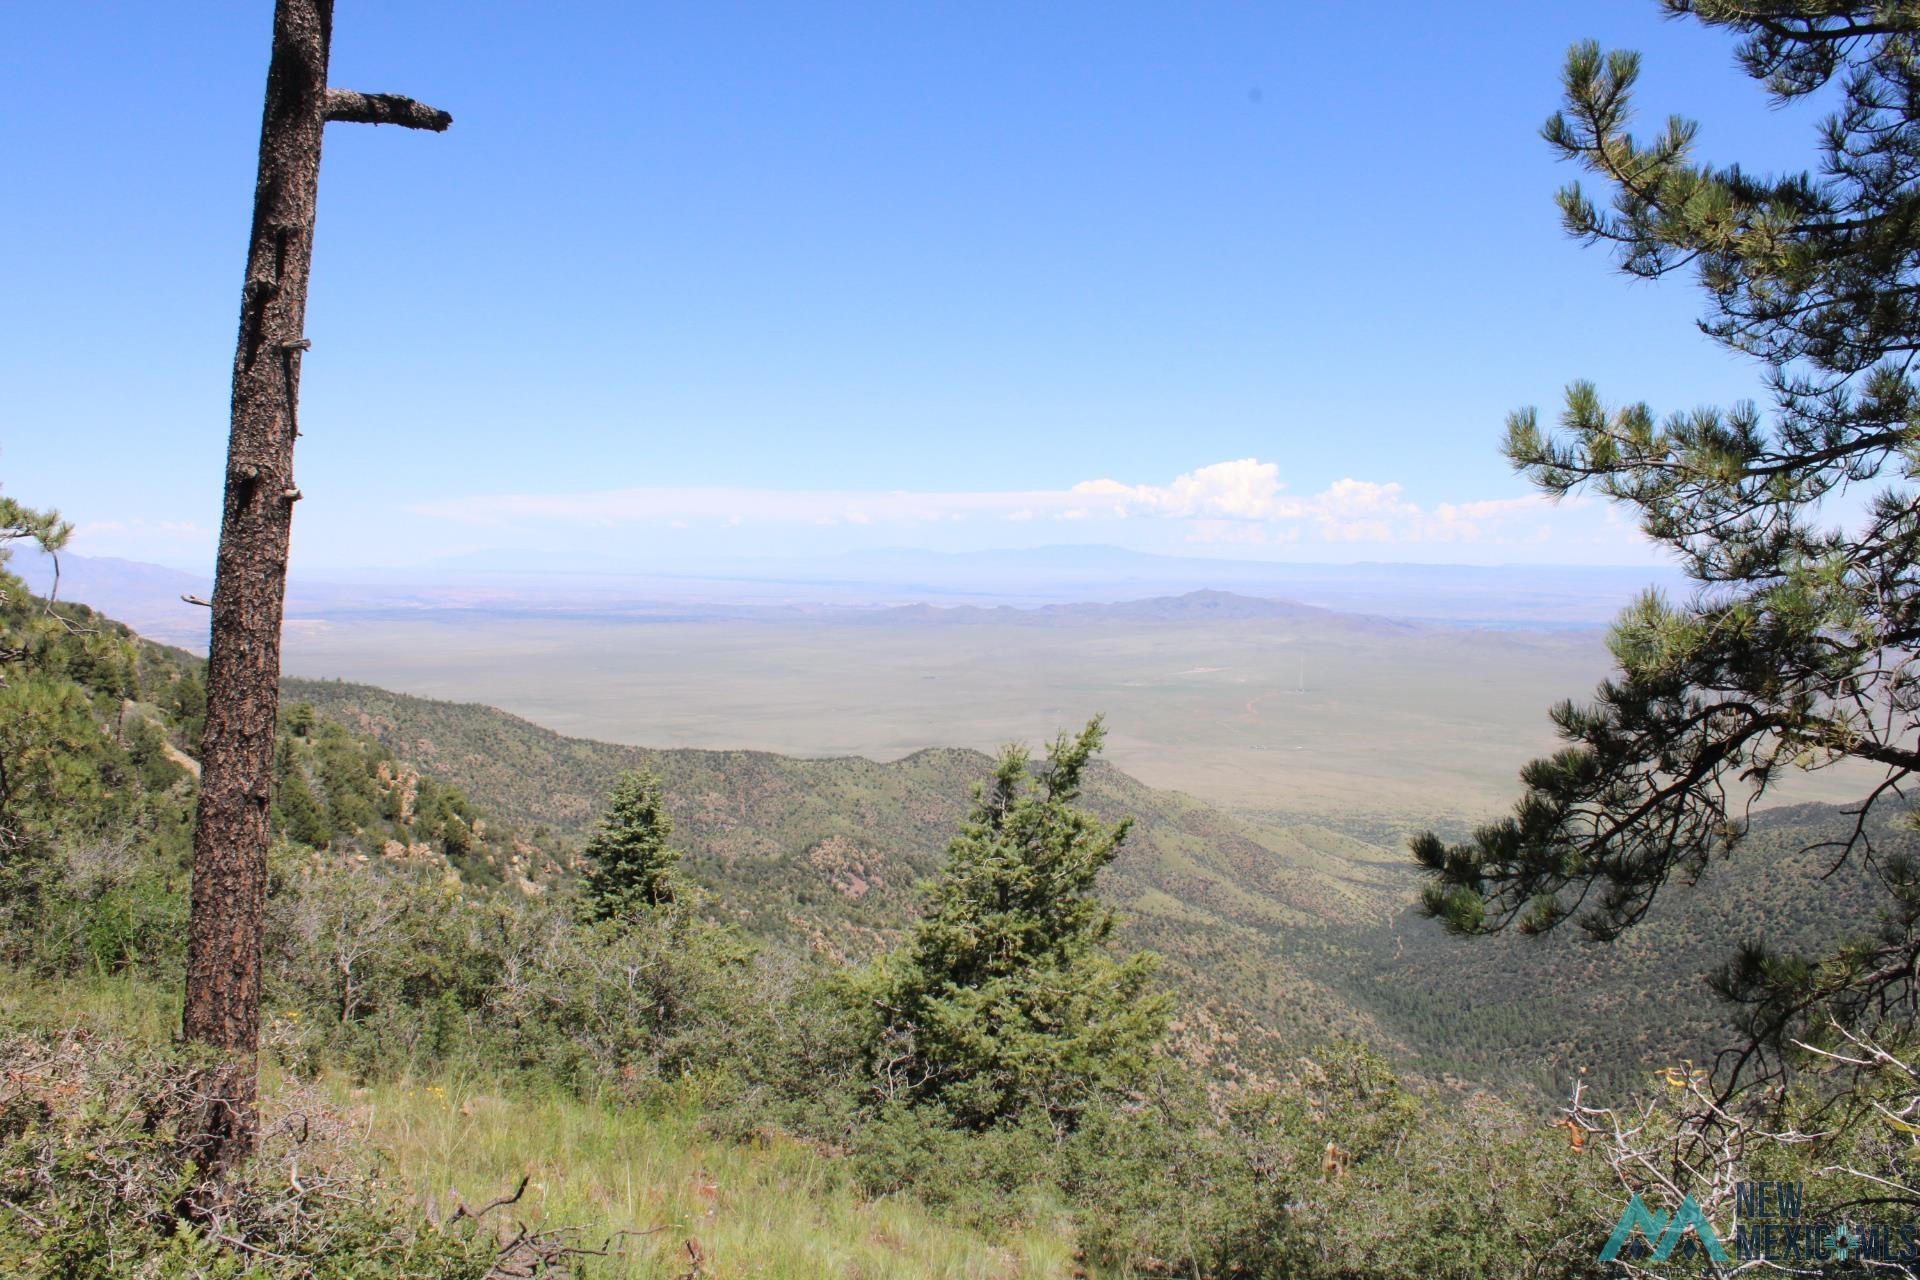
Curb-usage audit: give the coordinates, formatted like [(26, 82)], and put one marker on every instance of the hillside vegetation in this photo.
[(420, 949), (432, 973), (649, 1186), (1287, 932)]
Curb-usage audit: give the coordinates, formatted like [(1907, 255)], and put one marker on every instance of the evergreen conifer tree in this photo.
[(1006, 997), (1798, 521), (630, 866)]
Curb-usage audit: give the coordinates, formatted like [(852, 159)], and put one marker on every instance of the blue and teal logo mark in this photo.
[(1664, 1232), (1771, 1225)]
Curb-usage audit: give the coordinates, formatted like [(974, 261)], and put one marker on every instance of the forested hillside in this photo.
[(101, 732), (420, 843), (409, 829), (831, 853), (1539, 1009), (1288, 932)]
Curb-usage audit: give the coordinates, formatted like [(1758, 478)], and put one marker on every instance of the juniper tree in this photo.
[(1006, 997), (1796, 518), (630, 866)]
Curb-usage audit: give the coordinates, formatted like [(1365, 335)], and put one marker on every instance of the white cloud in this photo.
[(1245, 489), (1238, 501)]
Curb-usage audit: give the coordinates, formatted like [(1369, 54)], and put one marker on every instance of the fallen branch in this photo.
[(499, 1202)]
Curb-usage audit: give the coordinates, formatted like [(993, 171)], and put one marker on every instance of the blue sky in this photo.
[(691, 281)]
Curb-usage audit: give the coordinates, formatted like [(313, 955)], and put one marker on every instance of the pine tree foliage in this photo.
[(44, 528), (42, 718), (1797, 520), (1006, 998), (630, 866)]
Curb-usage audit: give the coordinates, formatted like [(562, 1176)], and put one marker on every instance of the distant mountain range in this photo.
[(1194, 606), (1503, 595), (512, 583)]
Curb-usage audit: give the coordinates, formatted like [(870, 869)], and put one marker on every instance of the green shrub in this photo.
[(92, 1177), (1163, 1185), (981, 1176), (395, 967), (1337, 1171)]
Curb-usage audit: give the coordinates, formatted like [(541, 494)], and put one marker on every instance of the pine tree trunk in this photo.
[(243, 667), (249, 590)]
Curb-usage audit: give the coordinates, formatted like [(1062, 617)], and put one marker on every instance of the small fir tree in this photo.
[(630, 866), (1006, 997)]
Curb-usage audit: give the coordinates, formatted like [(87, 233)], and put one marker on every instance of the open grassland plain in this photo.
[(1303, 712), (1234, 696)]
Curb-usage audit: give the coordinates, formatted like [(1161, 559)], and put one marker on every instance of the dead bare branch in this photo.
[(344, 106)]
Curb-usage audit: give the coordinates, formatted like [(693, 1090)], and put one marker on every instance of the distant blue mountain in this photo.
[(1060, 578)]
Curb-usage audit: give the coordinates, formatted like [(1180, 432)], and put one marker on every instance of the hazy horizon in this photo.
[(1546, 597), (1415, 687)]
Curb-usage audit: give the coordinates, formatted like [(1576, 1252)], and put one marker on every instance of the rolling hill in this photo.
[(830, 852), (1285, 930)]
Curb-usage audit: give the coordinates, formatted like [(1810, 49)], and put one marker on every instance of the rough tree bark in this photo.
[(243, 667)]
